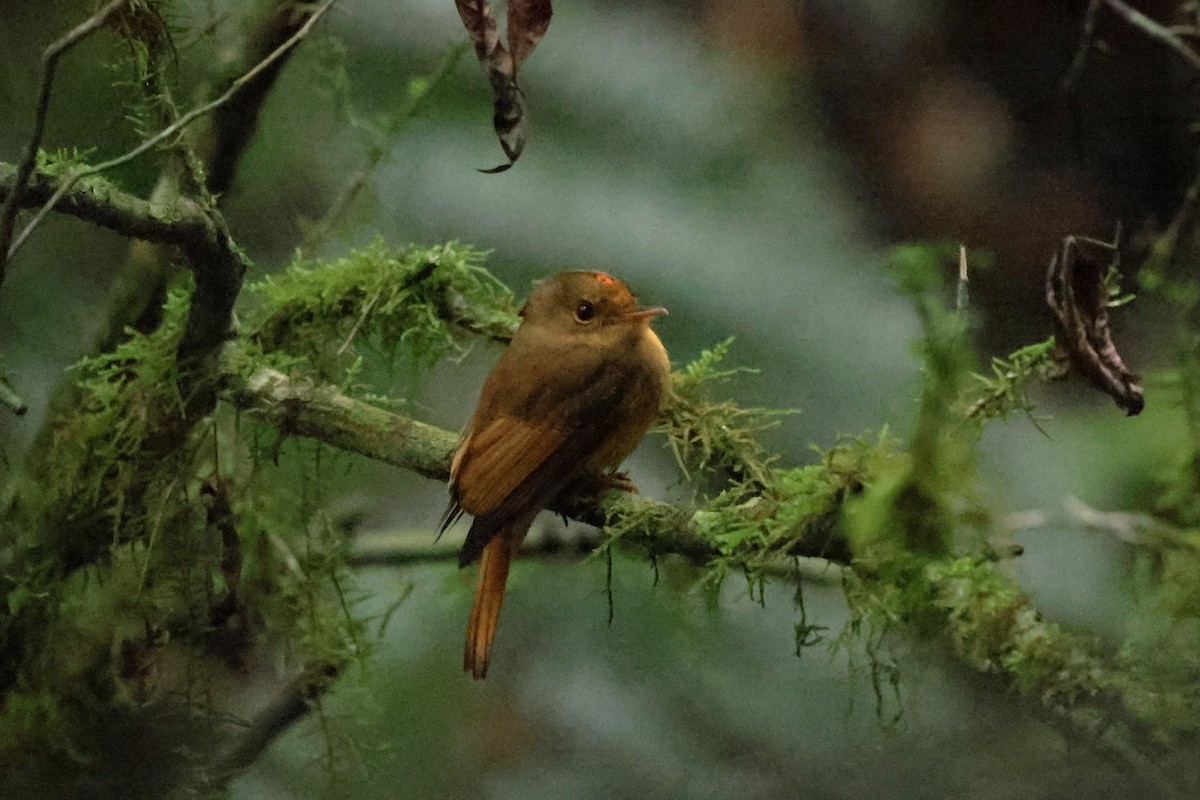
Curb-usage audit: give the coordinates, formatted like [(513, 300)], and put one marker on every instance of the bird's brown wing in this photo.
[(492, 462), (500, 457), (511, 483), (515, 463)]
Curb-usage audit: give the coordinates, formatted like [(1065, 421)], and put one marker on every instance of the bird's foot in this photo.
[(598, 483)]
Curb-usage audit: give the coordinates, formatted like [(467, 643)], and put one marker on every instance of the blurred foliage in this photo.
[(909, 507)]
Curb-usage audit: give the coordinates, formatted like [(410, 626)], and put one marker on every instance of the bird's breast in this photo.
[(642, 384)]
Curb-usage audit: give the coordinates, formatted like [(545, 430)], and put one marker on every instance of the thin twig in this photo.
[(1085, 43), (292, 704), (1155, 31), (962, 297), (378, 151), (11, 400), (407, 549), (170, 130), (50, 58)]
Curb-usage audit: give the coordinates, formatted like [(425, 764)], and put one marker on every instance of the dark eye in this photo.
[(584, 311)]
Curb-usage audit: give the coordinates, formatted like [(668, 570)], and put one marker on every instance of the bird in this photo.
[(580, 384)]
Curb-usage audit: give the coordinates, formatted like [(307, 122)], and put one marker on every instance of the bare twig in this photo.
[(50, 58), (397, 548), (291, 705), (11, 400), (170, 130), (1126, 526), (963, 295), (379, 151), (1156, 31), (1085, 43)]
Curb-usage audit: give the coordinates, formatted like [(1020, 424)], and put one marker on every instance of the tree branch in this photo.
[(292, 704), (50, 58), (99, 202), (66, 185), (1156, 31), (989, 620), (302, 408), (270, 45), (215, 262)]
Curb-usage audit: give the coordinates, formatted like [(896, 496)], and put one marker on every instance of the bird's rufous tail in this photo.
[(489, 596)]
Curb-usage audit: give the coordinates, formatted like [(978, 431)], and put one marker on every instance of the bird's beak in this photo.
[(646, 314)]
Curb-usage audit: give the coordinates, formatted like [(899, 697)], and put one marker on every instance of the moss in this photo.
[(716, 436), (995, 627), (1005, 390), (216, 537), (381, 301), (117, 443)]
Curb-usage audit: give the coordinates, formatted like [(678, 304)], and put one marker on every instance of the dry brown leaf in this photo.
[(527, 24), (528, 21), (1077, 293)]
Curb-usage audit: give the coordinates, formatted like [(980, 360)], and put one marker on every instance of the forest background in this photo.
[(221, 575)]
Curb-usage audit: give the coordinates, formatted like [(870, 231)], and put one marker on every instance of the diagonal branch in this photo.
[(269, 46), (216, 263), (1156, 31), (292, 704), (170, 130), (50, 58)]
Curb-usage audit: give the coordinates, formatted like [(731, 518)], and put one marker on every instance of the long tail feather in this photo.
[(489, 596)]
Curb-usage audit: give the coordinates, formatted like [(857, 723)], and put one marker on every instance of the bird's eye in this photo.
[(584, 312)]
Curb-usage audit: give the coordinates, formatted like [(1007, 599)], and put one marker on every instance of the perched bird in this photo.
[(578, 387)]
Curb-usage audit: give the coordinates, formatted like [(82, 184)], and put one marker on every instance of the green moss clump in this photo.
[(383, 301), (1004, 392), (114, 449), (716, 437), (994, 626)]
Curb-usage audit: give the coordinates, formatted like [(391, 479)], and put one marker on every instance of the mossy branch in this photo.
[(302, 408), (298, 407), (991, 623), (216, 263), (856, 508)]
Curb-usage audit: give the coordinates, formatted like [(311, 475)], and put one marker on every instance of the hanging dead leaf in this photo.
[(528, 21), (1077, 290)]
